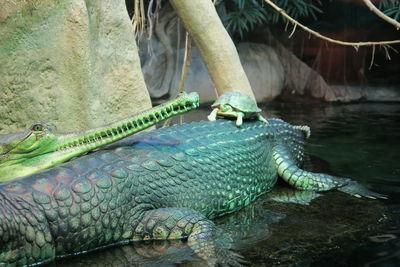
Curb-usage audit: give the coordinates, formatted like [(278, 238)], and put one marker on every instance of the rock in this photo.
[(272, 69), (300, 79), (260, 62), (263, 68), (162, 67), (162, 73), (72, 62), (365, 93)]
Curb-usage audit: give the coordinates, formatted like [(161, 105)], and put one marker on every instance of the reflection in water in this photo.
[(150, 253), (358, 141)]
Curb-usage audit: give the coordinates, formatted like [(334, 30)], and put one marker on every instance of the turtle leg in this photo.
[(213, 115), (261, 118), (305, 180), (239, 120)]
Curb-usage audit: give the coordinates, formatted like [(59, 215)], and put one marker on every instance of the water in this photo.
[(359, 141)]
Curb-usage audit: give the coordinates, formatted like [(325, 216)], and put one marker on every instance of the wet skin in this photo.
[(166, 184)]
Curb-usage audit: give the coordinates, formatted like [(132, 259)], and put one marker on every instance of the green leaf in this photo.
[(244, 15)]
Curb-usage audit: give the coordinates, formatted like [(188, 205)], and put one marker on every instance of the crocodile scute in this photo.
[(165, 184)]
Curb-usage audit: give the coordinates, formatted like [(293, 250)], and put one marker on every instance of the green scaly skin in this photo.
[(41, 147), (166, 184)]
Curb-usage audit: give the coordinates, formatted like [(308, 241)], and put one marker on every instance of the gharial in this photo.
[(40, 147), (166, 184)]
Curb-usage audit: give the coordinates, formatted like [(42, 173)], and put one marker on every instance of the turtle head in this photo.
[(227, 110)]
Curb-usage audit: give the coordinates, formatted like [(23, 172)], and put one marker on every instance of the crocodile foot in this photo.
[(226, 257), (355, 189), (182, 223)]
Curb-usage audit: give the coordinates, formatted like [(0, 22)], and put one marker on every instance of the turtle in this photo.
[(235, 104)]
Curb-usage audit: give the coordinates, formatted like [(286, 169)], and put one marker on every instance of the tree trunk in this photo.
[(216, 47)]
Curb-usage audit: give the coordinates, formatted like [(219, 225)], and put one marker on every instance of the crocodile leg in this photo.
[(301, 179), (178, 223), (305, 180)]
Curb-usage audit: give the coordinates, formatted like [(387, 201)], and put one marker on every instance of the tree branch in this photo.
[(354, 44), (380, 14)]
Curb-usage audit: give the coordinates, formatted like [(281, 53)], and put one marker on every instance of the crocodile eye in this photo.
[(37, 127)]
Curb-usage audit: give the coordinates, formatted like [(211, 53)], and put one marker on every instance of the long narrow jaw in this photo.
[(51, 149), (94, 138)]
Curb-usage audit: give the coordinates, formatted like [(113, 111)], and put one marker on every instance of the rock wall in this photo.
[(72, 62), (272, 69), (162, 78), (162, 60), (264, 69)]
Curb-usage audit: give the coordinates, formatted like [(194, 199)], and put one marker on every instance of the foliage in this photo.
[(241, 16), (391, 8)]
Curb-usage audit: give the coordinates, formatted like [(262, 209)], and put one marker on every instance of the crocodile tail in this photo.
[(305, 129)]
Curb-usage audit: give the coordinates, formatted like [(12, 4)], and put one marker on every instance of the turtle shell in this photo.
[(238, 101)]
